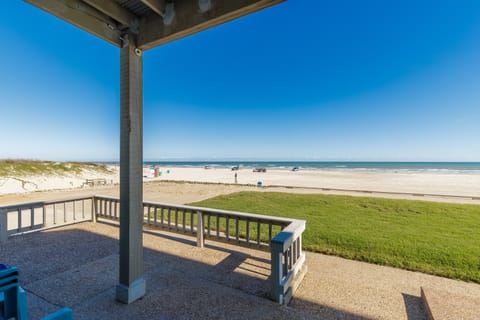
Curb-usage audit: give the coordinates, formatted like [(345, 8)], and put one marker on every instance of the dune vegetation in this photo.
[(22, 168)]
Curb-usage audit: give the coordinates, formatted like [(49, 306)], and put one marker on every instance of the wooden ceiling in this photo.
[(153, 22)]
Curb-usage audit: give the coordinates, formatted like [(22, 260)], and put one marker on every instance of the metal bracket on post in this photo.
[(3, 226), (200, 238), (125, 40)]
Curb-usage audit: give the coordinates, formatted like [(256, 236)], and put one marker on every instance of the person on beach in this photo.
[(235, 178)]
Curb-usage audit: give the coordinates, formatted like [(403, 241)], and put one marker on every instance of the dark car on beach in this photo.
[(259, 170), (235, 168)]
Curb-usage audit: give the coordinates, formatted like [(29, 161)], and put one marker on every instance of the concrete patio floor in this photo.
[(77, 266)]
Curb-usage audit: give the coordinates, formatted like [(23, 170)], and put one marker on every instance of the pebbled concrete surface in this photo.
[(76, 266), (445, 305)]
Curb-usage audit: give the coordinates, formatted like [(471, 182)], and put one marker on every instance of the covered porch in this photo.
[(75, 264)]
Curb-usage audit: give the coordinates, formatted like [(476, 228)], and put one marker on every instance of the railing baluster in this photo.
[(169, 216), (162, 216), (184, 221), (110, 208), (218, 226), (155, 212), (294, 253), (176, 219), (74, 213), (32, 218), (93, 210), (208, 224), (149, 208), (290, 257), (227, 229), (248, 232), (258, 232), (237, 237), (200, 239), (269, 232), (44, 216), (191, 222), (19, 218), (300, 245)]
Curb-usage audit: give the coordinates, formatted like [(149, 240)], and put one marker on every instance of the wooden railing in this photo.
[(280, 236), (287, 261), (26, 217)]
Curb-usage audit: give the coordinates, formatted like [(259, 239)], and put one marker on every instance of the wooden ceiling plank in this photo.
[(114, 10), (156, 5), (189, 19), (83, 16)]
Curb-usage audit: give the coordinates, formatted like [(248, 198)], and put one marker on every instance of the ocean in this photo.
[(444, 167)]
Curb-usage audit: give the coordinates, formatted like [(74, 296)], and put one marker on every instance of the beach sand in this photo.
[(382, 181), (203, 183)]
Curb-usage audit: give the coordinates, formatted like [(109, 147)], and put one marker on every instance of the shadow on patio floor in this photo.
[(77, 266)]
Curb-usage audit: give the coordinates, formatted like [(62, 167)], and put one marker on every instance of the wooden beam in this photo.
[(115, 11), (156, 5), (83, 16), (189, 19)]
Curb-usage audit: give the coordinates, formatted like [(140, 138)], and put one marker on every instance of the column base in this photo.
[(129, 294)]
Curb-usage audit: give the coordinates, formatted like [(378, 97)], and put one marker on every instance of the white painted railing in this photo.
[(287, 261), (27, 217), (281, 236)]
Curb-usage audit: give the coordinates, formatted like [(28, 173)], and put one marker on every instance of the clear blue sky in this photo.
[(304, 80)]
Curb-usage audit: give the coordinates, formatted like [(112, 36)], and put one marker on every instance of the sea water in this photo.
[(441, 167)]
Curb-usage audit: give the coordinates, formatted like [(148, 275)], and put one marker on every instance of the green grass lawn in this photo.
[(436, 238)]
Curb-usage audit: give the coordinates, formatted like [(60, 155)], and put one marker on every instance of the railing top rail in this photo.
[(37, 204), (289, 234), (246, 215)]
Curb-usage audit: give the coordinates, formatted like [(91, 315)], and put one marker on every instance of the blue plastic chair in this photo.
[(13, 300)]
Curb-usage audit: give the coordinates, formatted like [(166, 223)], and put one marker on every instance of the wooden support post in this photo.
[(131, 283)]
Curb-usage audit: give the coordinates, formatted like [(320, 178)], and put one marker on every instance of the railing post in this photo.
[(277, 271), (94, 210), (200, 229), (3, 226)]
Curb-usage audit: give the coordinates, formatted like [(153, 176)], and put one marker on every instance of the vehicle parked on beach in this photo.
[(235, 168), (259, 170), (295, 169)]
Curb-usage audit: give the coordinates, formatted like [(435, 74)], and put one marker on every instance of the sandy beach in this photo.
[(185, 184), (466, 184)]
